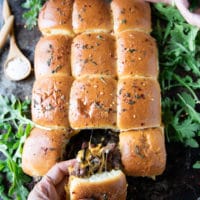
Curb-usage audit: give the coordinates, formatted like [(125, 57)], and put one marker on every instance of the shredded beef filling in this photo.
[(97, 153)]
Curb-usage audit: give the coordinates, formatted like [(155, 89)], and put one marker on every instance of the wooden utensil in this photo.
[(16, 66), (6, 30)]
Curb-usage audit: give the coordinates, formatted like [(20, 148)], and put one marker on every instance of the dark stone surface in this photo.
[(179, 182)]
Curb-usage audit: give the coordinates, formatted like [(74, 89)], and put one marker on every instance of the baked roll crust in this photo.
[(93, 103), (114, 61), (131, 14), (138, 103), (50, 101), (53, 55), (55, 17), (43, 149), (107, 185), (93, 53), (90, 15), (143, 152), (136, 54)]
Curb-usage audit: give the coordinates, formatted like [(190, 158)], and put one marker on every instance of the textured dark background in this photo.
[(179, 181)]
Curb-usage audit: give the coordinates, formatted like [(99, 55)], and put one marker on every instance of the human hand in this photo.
[(51, 186)]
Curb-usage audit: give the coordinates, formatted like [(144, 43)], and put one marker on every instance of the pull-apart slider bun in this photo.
[(50, 101), (56, 17), (96, 67), (42, 150), (143, 152), (107, 185)]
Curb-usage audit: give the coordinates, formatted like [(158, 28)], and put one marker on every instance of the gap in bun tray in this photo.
[(96, 150)]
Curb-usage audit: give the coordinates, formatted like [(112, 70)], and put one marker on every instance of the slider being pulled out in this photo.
[(97, 174)]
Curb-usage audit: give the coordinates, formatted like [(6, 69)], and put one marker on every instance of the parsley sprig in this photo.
[(33, 7), (179, 57), (14, 128)]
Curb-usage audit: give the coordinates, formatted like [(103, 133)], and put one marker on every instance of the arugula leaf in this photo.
[(196, 165), (179, 57), (14, 128), (33, 7)]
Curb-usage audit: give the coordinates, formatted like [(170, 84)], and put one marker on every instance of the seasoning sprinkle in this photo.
[(86, 61), (56, 69), (124, 110), (131, 102), (100, 37), (49, 61), (131, 50), (92, 61), (123, 21), (128, 94), (87, 46), (49, 107), (103, 80), (122, 11), (139, 96), (137, 151), (51, 54), (98, 105), (105, 196)]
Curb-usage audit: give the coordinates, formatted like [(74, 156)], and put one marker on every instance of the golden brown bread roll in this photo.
[(107, 185), (50, 101), (131, 14), (52, 55), (136, 54), (93, 53), (93, 103), (91, 16), (55, 17), (42, 149), (143, 152), (100, 53), (139, 103)]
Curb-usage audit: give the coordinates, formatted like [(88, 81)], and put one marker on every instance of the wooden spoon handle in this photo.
[(7, 27), (6, 10)]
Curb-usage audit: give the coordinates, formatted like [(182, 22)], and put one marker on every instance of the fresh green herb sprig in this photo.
[(14, 128), (179, 57), (196, 165), (33, 7)]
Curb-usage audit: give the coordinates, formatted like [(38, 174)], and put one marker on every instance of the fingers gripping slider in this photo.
[(96, 174), (107, 185)]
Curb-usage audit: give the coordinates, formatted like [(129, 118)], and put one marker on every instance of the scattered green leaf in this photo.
[(179, 58), (196, 165), (33, 8), (14, 128)]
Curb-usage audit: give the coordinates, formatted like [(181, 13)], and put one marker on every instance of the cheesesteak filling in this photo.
[(97, 154)]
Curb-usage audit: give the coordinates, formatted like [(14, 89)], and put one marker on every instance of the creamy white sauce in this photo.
[(17, 69)]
